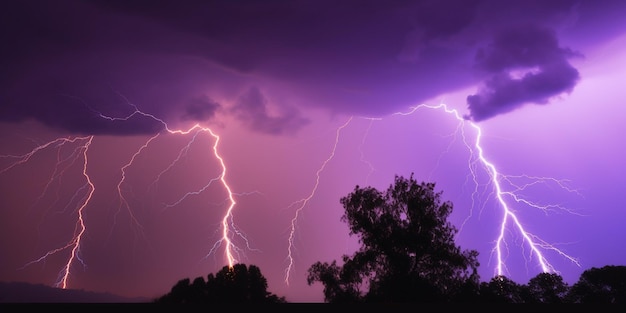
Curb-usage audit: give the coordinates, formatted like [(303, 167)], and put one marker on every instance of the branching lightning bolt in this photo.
[(535, 244), (475, 161), (75, 242), (228, 228), (303, 202), (122, 198)]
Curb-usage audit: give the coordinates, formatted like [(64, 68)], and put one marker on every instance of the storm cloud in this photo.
[(526, 65), (192, 61), (200, 109), (252, 109)]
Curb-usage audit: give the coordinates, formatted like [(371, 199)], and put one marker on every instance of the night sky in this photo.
[(145, 143)]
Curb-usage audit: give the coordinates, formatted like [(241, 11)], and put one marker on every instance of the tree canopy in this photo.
[(407, 254), (600, 285)]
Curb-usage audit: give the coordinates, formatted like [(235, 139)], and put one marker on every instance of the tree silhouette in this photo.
[(600, 285), (545, 288), (407, 253), (606, 285), (501, 289), (236, 284)]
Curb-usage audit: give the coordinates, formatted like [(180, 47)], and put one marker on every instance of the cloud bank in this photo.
[(195, 61), (525, 65)]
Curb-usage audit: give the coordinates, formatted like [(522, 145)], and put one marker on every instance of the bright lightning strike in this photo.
[(228, 228), (476, 160), (535, 244), (75, 242)]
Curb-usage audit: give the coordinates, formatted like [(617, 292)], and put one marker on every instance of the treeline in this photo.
[(242, 284), (605, 285), (407, 255)]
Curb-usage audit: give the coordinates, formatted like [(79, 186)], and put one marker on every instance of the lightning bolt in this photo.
[(122, 198), (75, 242), (536, 244), (303, 202), (362, 154), (229, 230), (475, 162)]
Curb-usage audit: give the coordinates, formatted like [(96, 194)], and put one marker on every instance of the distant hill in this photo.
[(19, 292)]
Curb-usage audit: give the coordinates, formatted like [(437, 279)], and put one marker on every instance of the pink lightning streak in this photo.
[(123, 201), (81, 221), (228, 228), (228, 216), (75, 242), (303, 202)]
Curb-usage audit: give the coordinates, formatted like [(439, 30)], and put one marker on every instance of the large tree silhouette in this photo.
[(236, 284), (600, 285), (545, 288), (407, 253), (501, 289)]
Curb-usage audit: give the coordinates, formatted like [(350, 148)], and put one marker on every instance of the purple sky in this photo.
[(304, 97)]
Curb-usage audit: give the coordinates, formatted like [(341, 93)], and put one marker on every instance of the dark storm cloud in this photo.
[(346, 56), (252, 109), (544, 71), (69, 113), (72, 93), (200, 109), (357, 57), (364, 57), (66, 63)]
